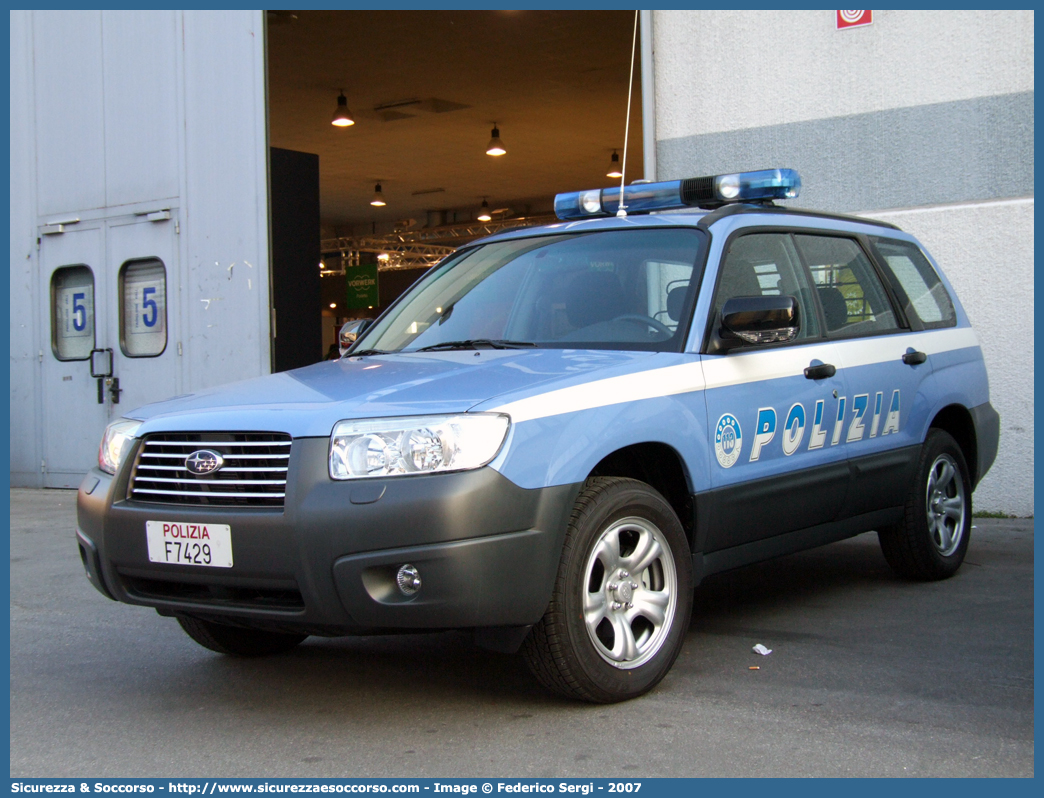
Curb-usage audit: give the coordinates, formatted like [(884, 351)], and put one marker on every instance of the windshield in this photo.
[(619, 289)]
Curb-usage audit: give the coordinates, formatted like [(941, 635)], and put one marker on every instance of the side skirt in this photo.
[(790, 542)]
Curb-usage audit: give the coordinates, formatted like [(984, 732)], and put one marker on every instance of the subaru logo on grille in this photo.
[(204, 461)]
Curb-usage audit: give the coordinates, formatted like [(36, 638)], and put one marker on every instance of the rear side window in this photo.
[(850, 292), (918, 285)]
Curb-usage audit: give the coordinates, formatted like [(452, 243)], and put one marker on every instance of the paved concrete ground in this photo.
[(869, 676)]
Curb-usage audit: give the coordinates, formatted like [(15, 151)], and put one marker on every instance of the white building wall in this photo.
[(757, 68), (225, 187), (115, 113), (140, 116), (24, 371), (924, 118), (67, 98)]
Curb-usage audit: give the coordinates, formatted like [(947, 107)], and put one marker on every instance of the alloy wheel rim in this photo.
[(629, 593), (946, 505)]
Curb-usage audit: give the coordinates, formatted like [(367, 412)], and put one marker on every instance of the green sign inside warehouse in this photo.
[(362, 286)]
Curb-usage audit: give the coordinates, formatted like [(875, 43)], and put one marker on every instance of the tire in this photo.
[(626, 564), (930, 541), (237, 641)]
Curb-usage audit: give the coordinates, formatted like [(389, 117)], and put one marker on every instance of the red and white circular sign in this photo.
[(851, 19)]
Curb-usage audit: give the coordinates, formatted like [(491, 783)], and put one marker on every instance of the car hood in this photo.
[(308, 402)]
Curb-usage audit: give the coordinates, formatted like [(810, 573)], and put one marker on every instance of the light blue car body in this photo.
[(572, 408)]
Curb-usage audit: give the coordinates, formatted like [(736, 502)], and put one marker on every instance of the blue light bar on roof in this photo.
[(701, 192)]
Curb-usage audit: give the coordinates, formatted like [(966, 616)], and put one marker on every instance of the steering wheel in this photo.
[(648, 321)]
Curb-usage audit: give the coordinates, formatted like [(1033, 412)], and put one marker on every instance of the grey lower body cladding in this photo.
[(487, 552)]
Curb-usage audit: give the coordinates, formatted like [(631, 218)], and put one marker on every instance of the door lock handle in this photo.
[(114, 389), (913, 358), (820, 371)]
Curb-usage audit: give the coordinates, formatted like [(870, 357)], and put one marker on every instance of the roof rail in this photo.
[(730, 210)]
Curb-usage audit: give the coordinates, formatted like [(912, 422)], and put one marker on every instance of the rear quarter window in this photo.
[(918, 285)]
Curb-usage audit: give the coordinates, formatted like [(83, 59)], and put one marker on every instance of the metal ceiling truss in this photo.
[(414, 249)]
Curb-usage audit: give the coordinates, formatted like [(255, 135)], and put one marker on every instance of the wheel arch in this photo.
[(660, 466), (956, 420)]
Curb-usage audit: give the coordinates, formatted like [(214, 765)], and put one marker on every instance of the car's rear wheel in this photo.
[(622, 599), (931, 540), (237, 641)]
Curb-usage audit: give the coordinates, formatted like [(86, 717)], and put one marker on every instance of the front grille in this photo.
[(253, 474)]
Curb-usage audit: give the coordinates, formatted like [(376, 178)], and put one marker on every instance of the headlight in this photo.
[(415, 445), (115, 443)]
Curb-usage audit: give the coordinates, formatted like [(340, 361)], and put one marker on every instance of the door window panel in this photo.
[(72, 313), (852, 296), (766, 264), (920, 288), (143, 308)]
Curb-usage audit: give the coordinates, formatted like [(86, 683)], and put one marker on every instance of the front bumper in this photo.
[(487, 551)]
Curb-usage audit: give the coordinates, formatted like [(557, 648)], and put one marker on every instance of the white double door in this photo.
[(109, 293)]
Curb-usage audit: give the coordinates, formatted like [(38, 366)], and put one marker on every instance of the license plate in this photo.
[(180, 543)]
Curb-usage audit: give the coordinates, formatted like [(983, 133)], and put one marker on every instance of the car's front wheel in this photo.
[(622, 599), (237, 641), (932, 538)]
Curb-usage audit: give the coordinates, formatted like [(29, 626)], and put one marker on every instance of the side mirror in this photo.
[(758, 320), (350, 332)]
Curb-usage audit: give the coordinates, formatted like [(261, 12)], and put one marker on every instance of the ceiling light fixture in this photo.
[(614, 166), (484, 214), (342, 116), (496, 146), (378, 197)]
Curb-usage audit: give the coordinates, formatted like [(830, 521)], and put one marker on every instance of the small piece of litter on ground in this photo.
[(760, 649), (754, 668)]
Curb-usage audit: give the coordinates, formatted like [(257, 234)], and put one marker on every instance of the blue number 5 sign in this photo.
[(148, 306)]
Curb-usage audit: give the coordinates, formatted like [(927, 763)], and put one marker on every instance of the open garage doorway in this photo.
[(423, 92)]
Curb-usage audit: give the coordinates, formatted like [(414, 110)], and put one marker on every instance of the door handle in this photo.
[(101, 363), (912, 358), (820, 372)]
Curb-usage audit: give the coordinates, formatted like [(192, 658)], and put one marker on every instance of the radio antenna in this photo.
[(622, 210)]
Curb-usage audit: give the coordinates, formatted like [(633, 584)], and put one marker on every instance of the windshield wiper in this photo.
[(476, 343)]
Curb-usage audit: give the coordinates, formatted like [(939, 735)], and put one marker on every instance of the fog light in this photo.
[(408, 580)]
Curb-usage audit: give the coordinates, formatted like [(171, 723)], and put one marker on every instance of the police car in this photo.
[(559, 431)]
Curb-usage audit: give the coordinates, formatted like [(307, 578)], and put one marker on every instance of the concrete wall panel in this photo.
[(967, 150), (730, 70)]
